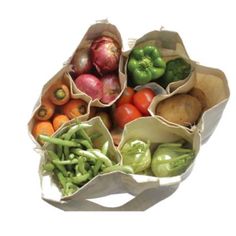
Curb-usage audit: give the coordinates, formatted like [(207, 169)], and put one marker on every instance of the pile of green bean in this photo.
[(75, 160)]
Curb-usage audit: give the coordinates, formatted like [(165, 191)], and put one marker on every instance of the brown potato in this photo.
[(181, 109), (201, 97)]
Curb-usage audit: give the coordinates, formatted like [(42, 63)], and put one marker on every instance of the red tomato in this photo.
[(126, 113), (142, 100), (126, 97)]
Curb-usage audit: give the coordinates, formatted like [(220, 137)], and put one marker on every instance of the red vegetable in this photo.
[(81, 62), (111, 87), (90, 85), (126, 113), (142, 100), (126, 97), (105, 54)]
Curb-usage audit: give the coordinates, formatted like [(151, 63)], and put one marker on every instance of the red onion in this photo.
[(105, 54), (81, 62), (90, 85), (111, 88)]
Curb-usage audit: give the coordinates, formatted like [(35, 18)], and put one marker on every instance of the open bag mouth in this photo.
[(135, 125)]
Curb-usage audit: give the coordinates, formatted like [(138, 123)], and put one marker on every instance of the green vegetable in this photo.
[(176, 69), (54, 157), (71, 132), (74, 160), (171, 159), (79, 178), (58, 141), (145, 64), (102, 157), (97, 167), (136, 154)]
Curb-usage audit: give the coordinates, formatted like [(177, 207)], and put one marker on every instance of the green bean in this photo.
[(71, 156), (96, 167), (101, 156), (90, 174), (78, 179), (58, 141), (77, 169), (84, 153), (62, 136), (53, 156), (59, 150), (125, 169), (70, 188), (69, 174), (70, 133), (84, 135), (84, 142), (66, 162), (103, 166), (61, 179), (81, 166), (105, 147)]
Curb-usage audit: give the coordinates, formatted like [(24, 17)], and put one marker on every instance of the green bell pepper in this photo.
[(176, 69), (145, 64)]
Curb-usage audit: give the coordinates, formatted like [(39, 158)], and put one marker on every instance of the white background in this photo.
[(36, 37)]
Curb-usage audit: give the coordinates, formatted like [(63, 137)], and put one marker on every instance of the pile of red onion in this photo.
[(95, 69)]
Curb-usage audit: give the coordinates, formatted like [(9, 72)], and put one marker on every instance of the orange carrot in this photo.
[(75, 108), (59, 120), (59, 94), (42, 127), (45, 111)]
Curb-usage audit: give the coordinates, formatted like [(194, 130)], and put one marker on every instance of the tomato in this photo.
[(142, 100), (126, 97), (126, 113)]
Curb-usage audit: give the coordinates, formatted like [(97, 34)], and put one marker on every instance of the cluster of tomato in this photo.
[(132, 105)]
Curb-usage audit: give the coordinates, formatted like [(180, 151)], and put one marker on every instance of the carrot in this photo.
[(59, 120), (45, 111), (74, 108), (59, 94), (42, 127)]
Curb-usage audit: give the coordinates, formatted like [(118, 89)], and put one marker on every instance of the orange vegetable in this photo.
[(59, 94), (75, 108), (45, 111), (59, 120), (42, 127)]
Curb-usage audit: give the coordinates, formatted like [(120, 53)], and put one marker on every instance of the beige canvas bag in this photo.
[(211, 81), (146, 190)]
